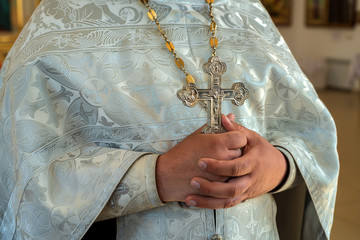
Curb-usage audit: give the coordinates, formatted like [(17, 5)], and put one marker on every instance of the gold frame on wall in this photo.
[(317, 14), (330, 13), (18, 17), (279, 10)]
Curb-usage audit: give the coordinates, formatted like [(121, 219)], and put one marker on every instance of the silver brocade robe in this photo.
[(88, 100)]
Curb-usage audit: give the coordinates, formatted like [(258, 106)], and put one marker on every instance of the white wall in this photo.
[(319, 42)]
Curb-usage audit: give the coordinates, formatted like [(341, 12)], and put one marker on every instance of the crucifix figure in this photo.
[(215, 94)]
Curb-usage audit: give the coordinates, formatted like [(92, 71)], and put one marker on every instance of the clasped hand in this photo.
[(219, 170)]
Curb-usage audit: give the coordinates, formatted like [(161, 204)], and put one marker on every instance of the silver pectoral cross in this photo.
[(215, 94)]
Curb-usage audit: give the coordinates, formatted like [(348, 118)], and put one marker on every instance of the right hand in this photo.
[(176, 168)]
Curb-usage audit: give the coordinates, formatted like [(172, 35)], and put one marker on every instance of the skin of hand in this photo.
[(257, 171), (176, 168)]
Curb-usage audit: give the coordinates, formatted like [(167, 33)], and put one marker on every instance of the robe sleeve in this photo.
[(318, 166), (136, 191), (55, 176), (65, 197)]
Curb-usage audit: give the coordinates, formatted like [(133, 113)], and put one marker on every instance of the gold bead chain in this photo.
[(170, 46)]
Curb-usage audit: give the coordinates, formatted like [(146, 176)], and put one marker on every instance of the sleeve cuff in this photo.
[(151, 180), (136, 191), (293, 173)]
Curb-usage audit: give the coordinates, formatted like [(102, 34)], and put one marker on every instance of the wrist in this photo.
[(293, 176), (167, 178), (285, 176), (160, 177)]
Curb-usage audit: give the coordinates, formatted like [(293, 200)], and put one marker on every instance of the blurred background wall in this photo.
[(14, 15), (321, 42), (326, 53)]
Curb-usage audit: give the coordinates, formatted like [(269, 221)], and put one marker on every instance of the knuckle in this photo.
[(237, 170), (240, 127), (238, 134), (216, 145), (243, 140), (219, 152), (206, 190), (244, 198), (230, 203), (237, 137), (234, 192), (238, 197), (246, 167), (250, 195)]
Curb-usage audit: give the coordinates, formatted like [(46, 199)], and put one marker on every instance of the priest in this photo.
[(178, 119)]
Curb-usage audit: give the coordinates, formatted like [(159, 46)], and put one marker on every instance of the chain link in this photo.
[(169, 45)]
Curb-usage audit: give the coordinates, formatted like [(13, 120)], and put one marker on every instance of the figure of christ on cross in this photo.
[(190, 95)]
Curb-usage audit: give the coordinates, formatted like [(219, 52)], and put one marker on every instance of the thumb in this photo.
[(231, 116), (227, 123)]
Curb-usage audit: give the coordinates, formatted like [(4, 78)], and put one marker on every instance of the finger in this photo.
[(231, 116), (213, 203), (234, 140), (233, 168), (230, 125), (233, 189), (232, 154), (227, 123)]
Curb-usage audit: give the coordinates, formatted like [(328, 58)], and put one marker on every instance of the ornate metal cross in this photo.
[(190, 95)]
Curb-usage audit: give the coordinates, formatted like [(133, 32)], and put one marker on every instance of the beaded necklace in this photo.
[(170, 46), (190, 94)]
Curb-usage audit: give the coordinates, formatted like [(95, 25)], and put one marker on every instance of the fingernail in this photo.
[(202, 165), (195, 184), (191, 203)]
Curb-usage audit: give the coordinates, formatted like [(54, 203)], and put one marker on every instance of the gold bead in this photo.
[(189, 78), (170, 46), (213, 42), (180, 63), (145, 2), (152, 15), (213, 26), (210, 1)]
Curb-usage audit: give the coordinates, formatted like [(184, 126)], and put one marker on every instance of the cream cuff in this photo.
[(136, 191), (293, 175), (150, 176)]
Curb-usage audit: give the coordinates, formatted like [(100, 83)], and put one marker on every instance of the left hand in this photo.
[(259, 170)]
